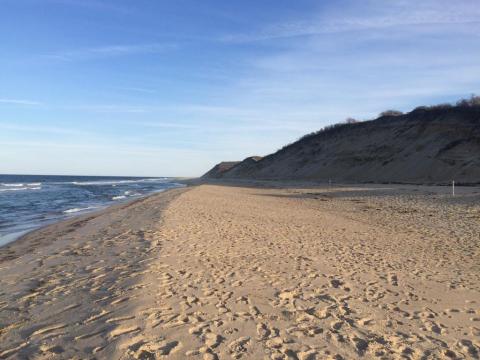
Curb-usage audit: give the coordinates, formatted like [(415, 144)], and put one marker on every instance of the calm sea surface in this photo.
[(30, 201)]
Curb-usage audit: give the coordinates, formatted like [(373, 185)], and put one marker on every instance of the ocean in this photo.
[(31, 201)]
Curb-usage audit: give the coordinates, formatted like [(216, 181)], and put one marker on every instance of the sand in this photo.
[(253, 272)]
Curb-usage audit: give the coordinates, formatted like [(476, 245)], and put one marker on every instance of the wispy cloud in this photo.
[(168, 125), (356, 68), (108, 51), (43, 129), (19, 102), (111, 108), (373, 14), (88, 146), (138, 89), (92, 4)]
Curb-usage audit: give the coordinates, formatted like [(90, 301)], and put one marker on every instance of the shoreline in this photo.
[(236, 271), (10, 238), (233, 182), (57, 225)]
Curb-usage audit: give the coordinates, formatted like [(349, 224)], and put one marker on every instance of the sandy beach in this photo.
[(271, 271)]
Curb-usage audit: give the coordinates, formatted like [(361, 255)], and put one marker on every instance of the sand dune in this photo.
[(272, 272), (424, 146)]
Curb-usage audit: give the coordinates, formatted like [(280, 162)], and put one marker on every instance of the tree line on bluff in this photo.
[(472, 102)]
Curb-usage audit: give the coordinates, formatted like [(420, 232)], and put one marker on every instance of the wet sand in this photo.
[(271, 271)]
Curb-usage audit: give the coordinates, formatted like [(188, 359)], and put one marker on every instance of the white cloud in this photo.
[(19, 102), (138, 89), (425, 50), (43, 129), (108, 51), (168, 125), (106, 6), (110, 108), (370, 15)]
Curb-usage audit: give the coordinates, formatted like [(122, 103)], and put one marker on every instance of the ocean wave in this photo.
[(113, 182), (131, 193), (14, 189), (28, 202), (118, 197), (98, 183), (74, 210), (21, 188)]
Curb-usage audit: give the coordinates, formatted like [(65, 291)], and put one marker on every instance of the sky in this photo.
[(170, 88)]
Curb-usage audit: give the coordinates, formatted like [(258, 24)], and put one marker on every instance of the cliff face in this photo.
[(423, 146), (242, 169), (218, 170)]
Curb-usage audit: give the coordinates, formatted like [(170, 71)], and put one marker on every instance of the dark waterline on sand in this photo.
[(28, 202)]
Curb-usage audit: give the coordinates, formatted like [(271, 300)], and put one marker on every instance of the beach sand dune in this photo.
[(271, 272)]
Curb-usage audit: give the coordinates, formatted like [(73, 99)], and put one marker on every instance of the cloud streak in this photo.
[(19, 102), (108, 51), (379, 15), (92, 4), (44, 129), (138, 89), (111, 108)]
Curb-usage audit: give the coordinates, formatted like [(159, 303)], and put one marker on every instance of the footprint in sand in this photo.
[(97, 316), (153, 349), (393, 279), (263, 331), (9, 352), (238, 347), (48, 329), (213, 340), (123, 330)]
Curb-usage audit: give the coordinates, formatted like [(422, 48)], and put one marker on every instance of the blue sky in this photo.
[(170, 88)]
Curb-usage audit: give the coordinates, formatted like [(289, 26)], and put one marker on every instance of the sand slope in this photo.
[(218, 170), (433, 146), (65, 289), (242, 272)]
